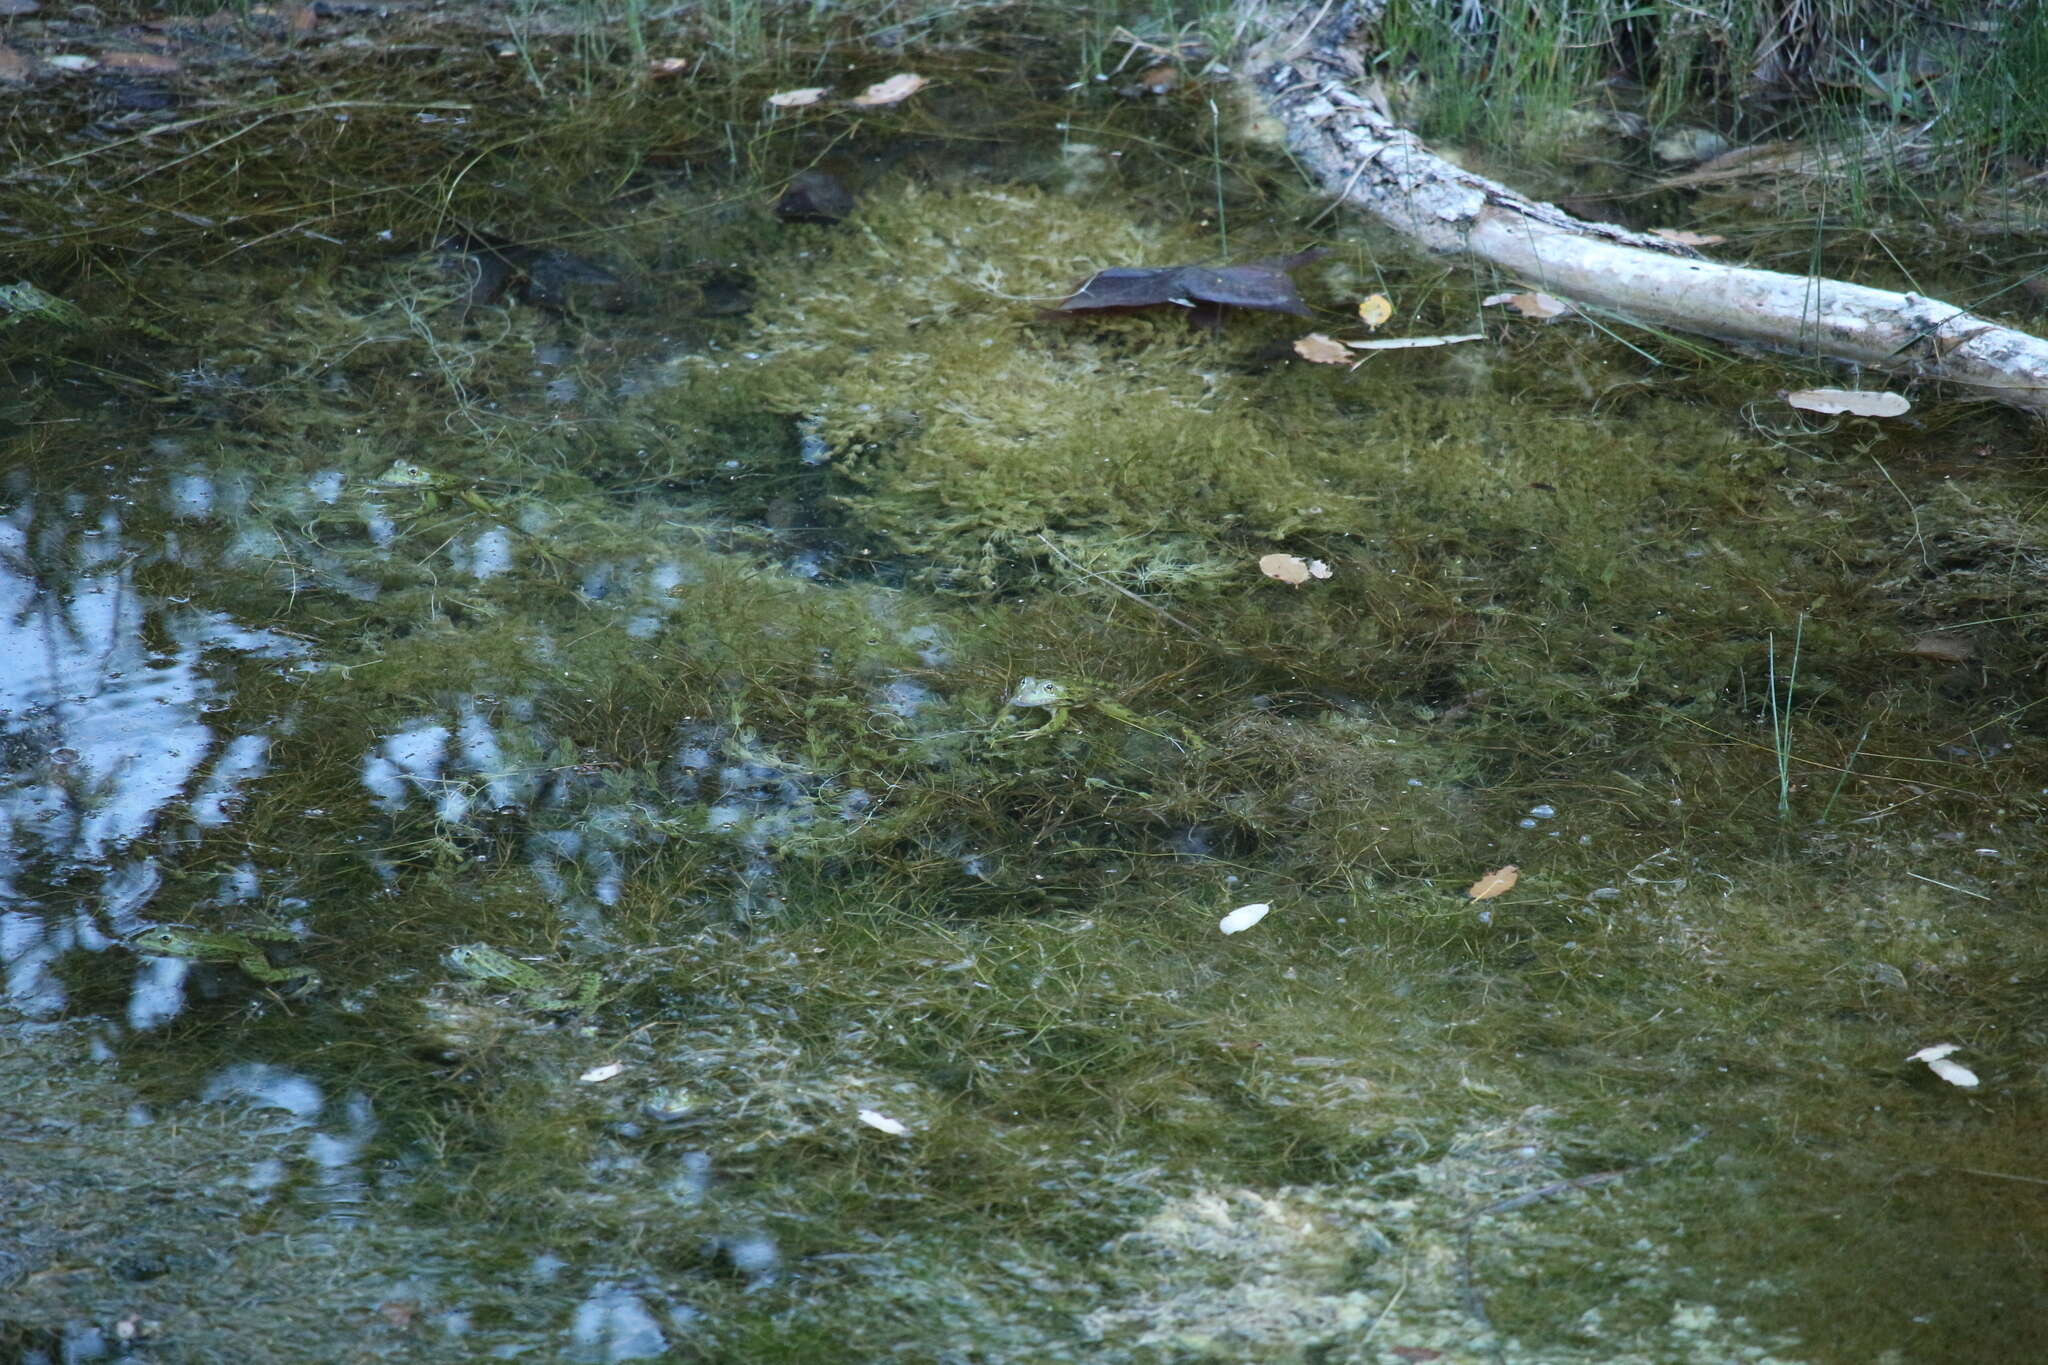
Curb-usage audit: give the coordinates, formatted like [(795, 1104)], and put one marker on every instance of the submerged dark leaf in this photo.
[(814, 197), (549, 277), (1264, 285)]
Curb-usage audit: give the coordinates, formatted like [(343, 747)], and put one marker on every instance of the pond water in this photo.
[(849, 699)]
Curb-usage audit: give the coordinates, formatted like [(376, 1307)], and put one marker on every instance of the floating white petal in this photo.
[(602, 1073), (1243, 918), (876, 1119), (1936, 1057)]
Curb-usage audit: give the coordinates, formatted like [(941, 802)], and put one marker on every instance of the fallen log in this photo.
[(1302, 67)]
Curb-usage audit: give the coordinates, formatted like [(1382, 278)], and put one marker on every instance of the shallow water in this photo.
[(696, 663)]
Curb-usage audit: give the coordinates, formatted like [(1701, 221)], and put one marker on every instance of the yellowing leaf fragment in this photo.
[(1498, 882), (895, 90), (1322, 350), (1375, 309)]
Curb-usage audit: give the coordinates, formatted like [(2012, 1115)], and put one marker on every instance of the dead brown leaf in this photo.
[(15, 67), (1498, 882), (1158, 80), (1322, 350), (895, 90)]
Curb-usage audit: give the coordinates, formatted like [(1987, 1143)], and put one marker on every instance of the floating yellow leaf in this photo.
[(797, 99), (895, 90), (1498, 882), (1855, 402), (1375, 309), (1322, 350), (1682, 237)]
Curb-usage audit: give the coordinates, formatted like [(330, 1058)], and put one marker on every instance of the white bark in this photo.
[(1302, 70)]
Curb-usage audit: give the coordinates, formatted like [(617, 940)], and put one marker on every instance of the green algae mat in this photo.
[(597, 772)]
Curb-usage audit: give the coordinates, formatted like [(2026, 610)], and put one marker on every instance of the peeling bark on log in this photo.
[(1302, 69)]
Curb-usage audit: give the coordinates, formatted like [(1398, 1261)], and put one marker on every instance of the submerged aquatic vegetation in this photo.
[(872, 704)]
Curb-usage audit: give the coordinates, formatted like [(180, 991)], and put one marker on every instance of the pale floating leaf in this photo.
[(599, 1074), (141, 63), (895, 90), (1318, 569), (1375, 309), (1533, 304), (667, 66), (1855, 402), (797, 99), (1684, 237), (72, 61), (1955, 649), (1498, 882), (882, 1123), (1322, 350), (1411, 343), (1955, 1073), (1243, 918), (1292, 570)]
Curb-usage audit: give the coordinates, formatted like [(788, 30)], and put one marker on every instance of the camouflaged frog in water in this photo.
[(536, 987), (239, 948)]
